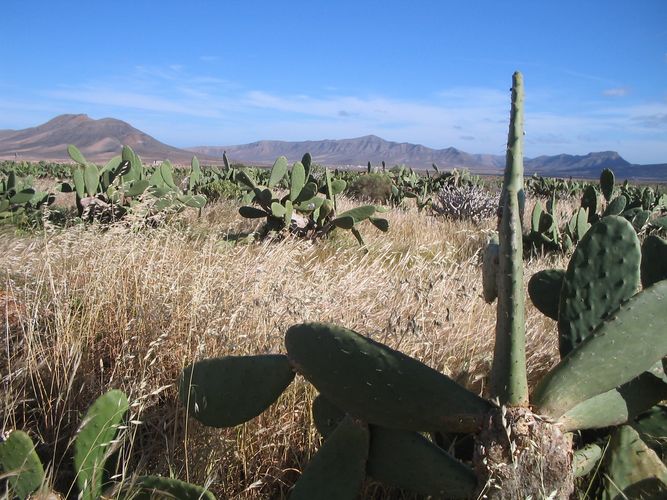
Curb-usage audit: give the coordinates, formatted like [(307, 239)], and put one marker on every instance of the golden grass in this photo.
[(129, 309)]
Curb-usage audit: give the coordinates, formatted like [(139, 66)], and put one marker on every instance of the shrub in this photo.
[(466, 203), (374, 187), (221, 190)]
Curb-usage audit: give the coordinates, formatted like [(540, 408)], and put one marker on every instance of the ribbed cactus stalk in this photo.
[(510, 383)]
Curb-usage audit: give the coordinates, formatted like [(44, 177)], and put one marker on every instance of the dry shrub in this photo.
[(466, 202), (129, 309)]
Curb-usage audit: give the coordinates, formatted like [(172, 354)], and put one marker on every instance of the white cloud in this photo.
[(616, 92), (184, 109)]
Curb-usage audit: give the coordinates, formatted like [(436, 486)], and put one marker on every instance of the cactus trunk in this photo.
[(509, 367)]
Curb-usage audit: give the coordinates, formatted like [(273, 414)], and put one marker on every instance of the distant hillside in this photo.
[(359, 151), (101, 139), (98, 140)]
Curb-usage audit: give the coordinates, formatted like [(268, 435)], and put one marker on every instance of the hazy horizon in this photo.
[(211, 74)]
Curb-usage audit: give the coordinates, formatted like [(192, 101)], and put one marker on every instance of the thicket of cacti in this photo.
[(375, 402), (385, 415), (94, 444)]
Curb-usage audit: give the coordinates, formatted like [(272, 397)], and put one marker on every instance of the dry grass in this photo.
[(93, 310)]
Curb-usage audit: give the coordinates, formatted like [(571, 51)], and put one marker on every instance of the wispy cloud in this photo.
[(185, 109), (616, 92)]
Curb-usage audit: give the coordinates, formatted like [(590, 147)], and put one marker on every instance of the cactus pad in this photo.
[(544, 290), (20, 463), (602, 273), (96, 432), (585, 459), (407, 460), (617, 406), (224, 392), (633, 469), (607, 183), (338, 469), (378, 384), (654, 260), (278, 171), (167, 488), (628, 343)]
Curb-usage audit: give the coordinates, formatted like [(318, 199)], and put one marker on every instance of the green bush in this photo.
[(374, 187), (221, 190)]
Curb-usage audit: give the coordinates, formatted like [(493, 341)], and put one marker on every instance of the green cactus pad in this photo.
[(224, 392), (544, 290), (137, 188), (380, 223), (589, 201), (91, 176), (96, 432), (628, 343), (640, 219), (360, 213), (585, 459), (344, 222), (76, 155), (167, 173), (602, 273), (306, 161), (654, 260), (297, 181), (245, 179), (607, 183), (308, 192), (583, 225), (616, 206), (338, 186), (278, 171), (633, 469), (617, 406), (536, 217), (652, 427), (277, 210), (192, 200), (79, 181), (20, 463), (157, 487), (338, 469), (490, 269), (326, 415), (310, 205), (378, 384), (23, 196), (289, 210), (407, 460), (252, 213)]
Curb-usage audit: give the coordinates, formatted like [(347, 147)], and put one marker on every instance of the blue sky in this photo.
[(430, 72)]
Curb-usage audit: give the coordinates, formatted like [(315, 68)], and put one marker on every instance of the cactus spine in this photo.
[(510, 383)]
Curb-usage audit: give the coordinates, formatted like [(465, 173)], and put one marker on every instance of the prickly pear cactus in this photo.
[(376, 402), (20, 463), (96, 433)]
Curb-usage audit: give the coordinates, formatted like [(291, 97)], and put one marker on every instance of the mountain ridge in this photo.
[(100, 139)]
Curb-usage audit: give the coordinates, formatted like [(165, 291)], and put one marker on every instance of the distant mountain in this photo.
[(353, 152), (98, 140)]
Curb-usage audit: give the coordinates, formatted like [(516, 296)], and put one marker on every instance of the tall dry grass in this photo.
[(86, 310)]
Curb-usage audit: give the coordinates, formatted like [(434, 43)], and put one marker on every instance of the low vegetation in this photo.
[(171, 326)]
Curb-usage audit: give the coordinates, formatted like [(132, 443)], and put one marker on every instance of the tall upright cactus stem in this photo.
[(510, 382)]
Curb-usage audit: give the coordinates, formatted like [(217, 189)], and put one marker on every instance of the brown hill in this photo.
[(357, 151), (98, 140)]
